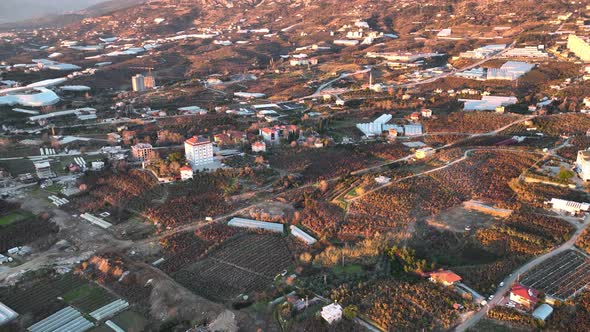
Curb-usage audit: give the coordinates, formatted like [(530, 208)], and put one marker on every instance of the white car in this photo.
[(491, 297), (502, 284)]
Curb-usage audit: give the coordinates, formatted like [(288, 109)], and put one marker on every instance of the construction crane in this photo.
[(149, 69)]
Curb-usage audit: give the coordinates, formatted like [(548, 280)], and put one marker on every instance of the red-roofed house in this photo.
[(426, 113), (258, 147), (523, 295), (198, 151), (186, 172), (415, 116), (444, 277)]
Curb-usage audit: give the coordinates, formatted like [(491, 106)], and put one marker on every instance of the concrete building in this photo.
[(583, 164), (487, 103), (509, 71), (142, 151), (332, 313), (198, 151), (138, 83), (579, 46), (43, 169)]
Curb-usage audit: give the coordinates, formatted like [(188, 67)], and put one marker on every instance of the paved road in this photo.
[(522, 270)]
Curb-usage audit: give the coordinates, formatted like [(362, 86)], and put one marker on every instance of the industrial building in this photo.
[(255, 224), (141, 83), (487, 103), (67, 319), (570, 207), (301, 235), (6, 314), (579, 46)]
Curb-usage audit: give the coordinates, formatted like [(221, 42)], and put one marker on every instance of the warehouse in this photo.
[(249, 223), (301, 235)]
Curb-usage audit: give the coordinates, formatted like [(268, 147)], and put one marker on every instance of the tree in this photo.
[(564, 174), (350, 312)]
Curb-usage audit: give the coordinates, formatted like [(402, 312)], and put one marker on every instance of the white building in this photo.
[(198, 151), (382, 179), (583, 164), (332, 313), (249, 223), (258, 147), (301, 235), (487, 103), (570, 207), (511, 70), (186, 172), (274, 134)]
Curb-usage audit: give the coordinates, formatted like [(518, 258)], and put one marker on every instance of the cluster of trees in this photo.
[(511, 315), (563, 124), (316, 164), (6, 207), (486, 174), (407, 201), (166, 137), (168, 167), (25, 232), (390, 151), (365, 251), (405, 261), (584, 241), (193, 200), (571, 317), (396, 305), (322, 218), (485, 277), (469, 122), (107, 190)]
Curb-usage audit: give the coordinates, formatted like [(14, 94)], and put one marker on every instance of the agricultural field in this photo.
[(561, 277), (244, 265), (396, 305), (41, 298)]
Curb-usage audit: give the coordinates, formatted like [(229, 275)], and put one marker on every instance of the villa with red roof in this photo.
[(444, 277), (524, 296), (198, 151)]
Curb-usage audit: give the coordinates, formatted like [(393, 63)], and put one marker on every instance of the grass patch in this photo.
[(77, 293), (14, 217)]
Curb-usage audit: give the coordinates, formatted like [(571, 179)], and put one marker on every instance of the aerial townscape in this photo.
[(294, 165)]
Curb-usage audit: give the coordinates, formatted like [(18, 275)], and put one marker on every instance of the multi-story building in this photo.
[(583, 164), (198, 151), (138, 83), (524, 296), (142, 151), (579, 46)]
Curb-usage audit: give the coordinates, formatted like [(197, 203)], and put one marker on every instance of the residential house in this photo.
[(524, 296), (258, 147), (186, 172), (424, 153), (273, 135), (444, 277), (426, 113)]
